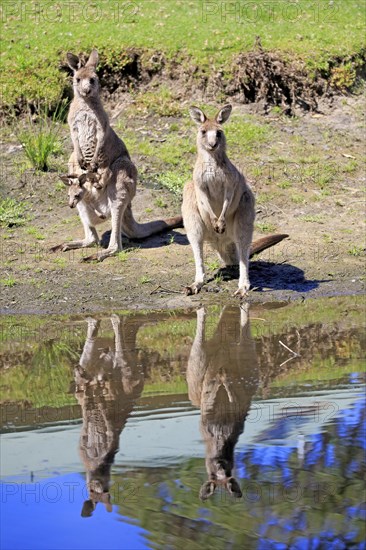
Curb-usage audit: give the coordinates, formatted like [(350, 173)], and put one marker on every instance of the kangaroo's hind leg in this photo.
[(121, 189), (195, 232), (244, 224)]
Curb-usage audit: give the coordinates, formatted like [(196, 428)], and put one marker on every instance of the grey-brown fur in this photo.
[(222, 377), (218, 205), (108, 381), (98, 149)]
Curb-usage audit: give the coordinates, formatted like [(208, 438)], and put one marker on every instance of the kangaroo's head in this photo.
[(98, 492), (85, 79), (229, 483), (219, 469), (210, 136), (76, 189), (76, 185)]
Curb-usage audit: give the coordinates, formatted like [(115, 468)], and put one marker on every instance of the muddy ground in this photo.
[(324, 254)]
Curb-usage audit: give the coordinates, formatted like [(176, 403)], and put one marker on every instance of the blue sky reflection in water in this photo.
[(114, 427)]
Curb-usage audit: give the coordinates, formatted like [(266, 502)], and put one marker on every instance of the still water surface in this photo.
[(215, 428)]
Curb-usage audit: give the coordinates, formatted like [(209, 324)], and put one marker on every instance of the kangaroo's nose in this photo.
[(211, 139)]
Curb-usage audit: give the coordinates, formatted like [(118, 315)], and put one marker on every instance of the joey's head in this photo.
[(210, 136), (76, 190), (85, 79)]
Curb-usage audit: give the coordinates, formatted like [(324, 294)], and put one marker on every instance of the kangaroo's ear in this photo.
[(197, 115), (65, 179), (93, 59), (207, 490), (88, 508), (233, 487), (73, 61), (223, 115)]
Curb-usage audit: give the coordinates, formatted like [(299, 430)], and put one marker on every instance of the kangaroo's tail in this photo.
[(134, 230), (266, 242)]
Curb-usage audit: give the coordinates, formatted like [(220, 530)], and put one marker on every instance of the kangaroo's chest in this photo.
[(87, 127)]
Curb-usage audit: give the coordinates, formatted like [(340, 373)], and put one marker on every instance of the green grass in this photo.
[(160, 203), (176, 151), (265, 227), (212, 266), (173, 181), (40, 138), (356, 250), (244, 135), (297, 198), (159, 102), (145, 279), (34, 44), (12, 213), (124, 255), (34, 232), (312, 218), (8, 282)]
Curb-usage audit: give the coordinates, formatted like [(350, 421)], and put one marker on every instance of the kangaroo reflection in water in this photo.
[(108, 382), (222, 377)]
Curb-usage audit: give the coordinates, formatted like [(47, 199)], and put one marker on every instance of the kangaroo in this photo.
[(218, 204), (108, 382), (98, 149), (222, 377)]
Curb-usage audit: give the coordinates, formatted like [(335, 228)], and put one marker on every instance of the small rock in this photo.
[(14, 149)]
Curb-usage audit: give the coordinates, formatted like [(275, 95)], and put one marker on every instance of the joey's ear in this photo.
[(233, 487), (223, 115), (207, 489), (197, 115), (73, 61), (65, 179), (93, 59), (82, 179)]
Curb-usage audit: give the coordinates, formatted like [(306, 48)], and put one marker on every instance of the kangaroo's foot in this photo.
[(193, 289), (72, 245), (242, 291), (101, 256)]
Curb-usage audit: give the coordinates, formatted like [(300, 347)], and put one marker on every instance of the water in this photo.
[(217, 428)]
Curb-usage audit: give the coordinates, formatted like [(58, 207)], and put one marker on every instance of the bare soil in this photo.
[(324, 254)]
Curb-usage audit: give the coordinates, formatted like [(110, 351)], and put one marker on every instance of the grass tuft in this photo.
[(12, 213), (40, 138)]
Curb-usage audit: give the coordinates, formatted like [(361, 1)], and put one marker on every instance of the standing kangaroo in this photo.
[(222, 377), (99, 151), (218, 205), (108, 382)]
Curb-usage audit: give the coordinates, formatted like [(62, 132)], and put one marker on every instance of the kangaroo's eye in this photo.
[(203, 132), (92, 80), (219, 133), (78, 80)]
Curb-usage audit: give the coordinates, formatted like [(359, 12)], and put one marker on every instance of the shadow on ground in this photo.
[(271, 276), (155, 241)]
